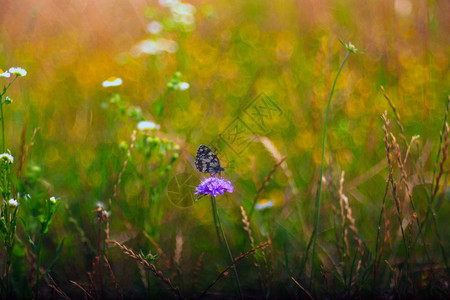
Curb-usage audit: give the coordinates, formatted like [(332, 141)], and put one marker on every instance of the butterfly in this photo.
[(206, 161)]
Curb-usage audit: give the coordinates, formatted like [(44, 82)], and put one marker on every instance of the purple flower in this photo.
[(213, 186)]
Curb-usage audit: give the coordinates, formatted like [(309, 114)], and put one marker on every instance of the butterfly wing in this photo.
[(206, 161)]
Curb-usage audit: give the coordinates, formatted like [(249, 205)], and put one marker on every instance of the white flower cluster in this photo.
[(183, 13), (154, 47), (15, 71)]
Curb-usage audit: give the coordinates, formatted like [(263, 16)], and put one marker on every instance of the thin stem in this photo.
[(3, 126), (378, 236), (99, 259), (216, 218), (319, 197), (1, 111), (38, 260)]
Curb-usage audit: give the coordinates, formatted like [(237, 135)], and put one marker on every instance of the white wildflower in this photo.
[(112, 81), (7, 157), (147, 125), (13, 202), (264, 204), (182, 86), (153, 47), (18, 71), (154, 27), (4, 73)]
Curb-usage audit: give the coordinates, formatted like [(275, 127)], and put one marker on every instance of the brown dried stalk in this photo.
[(22, 142), (113, 277), (197, 271), (265, 182), (119, 179), (270, 147), (383, 206), (178, 249), (341, 205), (27, 150), (252, 244), (235, 261), (84, 291), (441, 164), (149, 267), (345, 206), (397, 187), (247, 227), (397, 116), (302, 288), (92, 286), (52, 284)]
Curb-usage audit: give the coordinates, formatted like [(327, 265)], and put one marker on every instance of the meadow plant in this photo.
[(356, 210), (9, 206), (351, 49), (214, 186), (11, 187)]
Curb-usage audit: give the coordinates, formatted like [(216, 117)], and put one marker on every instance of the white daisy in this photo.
[(53, 200), (8, 157), (18, 71)]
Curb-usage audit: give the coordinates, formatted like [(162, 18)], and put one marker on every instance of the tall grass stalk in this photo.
[(219, 225), (319, 196)]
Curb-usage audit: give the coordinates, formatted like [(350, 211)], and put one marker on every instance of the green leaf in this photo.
[(3, 227), (34, 247)]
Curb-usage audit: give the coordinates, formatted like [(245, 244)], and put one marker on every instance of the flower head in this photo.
[(182, 86), (147, 125), (263, 204), (213, 186), (7, 157), (13, 202), (53, 200), (350, 47), (4, 73), (18, 71), (112, 81), (154, 27)]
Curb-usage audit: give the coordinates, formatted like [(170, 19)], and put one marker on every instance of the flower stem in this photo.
[(1, 111), (3, 125), (319, 196), (219, 225)]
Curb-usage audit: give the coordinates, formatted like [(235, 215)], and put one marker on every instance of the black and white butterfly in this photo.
[(206, 161)]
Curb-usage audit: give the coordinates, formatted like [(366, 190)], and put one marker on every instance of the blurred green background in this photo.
[(230, 53)]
